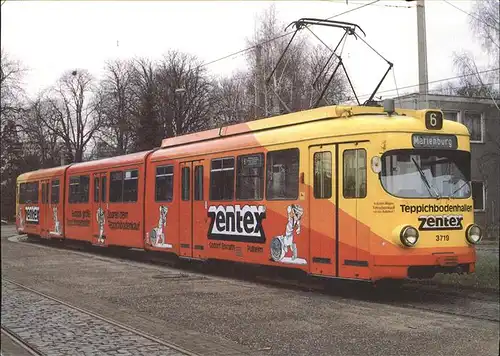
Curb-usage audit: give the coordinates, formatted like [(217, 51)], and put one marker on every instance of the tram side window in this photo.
[(282, 174), (28, 193), (79, 189), (44, 193), (103, 189), (54, 192), (96, 189), (185, 183), (164, 185), (130, 184), (116, 187), (22, 193), (250, 181), (222, 179), (354, 173), (323, 175), (198, 183)]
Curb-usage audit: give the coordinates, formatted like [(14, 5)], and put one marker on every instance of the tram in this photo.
[(354, 192)]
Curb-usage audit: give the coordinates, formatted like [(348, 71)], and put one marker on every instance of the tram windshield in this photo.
[(426, 173)]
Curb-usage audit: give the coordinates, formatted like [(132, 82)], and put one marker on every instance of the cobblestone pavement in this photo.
[(56, 329)]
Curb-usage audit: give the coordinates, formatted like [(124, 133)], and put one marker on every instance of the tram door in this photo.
[(192, 210), (354, 232), (45, 213), (99, 208), (322, 212)]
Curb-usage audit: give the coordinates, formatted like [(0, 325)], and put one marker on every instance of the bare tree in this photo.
[(185, 99), (74, 112), (233, 97), (290, 88), (38, 139), (485, 25), (144, 105), (117, 102), (11, 88)]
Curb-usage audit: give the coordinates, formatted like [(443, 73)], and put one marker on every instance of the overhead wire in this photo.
[(280, 36), (433, 82), (469, 14)]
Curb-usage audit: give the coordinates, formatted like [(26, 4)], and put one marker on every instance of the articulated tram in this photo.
[(352, 192)]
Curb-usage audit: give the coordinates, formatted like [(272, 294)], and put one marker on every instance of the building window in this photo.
[(54, 192), (354, 173), (198, 183), (185, 196), (79, 189), (164, 185), (451, 115), (474, 123), (130, 185), (282, 174), (222, 179), (323, 175), (478, 195), (250, 181)]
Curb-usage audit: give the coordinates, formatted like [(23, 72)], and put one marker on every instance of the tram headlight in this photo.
[(473, 234), (409, 236)]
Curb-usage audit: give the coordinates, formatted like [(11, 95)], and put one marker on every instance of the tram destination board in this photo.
[(434, 141)]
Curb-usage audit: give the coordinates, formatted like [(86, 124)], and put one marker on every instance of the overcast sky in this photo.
[(51, 37)]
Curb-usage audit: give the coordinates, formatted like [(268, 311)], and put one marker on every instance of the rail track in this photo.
[(32, 350), (428, 298), (35, 351)]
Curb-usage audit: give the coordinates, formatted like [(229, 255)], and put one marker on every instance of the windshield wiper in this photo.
[(457, 190), (424, 178)]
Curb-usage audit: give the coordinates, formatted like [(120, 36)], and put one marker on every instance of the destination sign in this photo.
[(434, 141)]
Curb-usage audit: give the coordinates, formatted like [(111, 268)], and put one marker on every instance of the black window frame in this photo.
[(81, 196), (316, 194), (240, 177), (198, 183), (97, 187), (185, 183), (227, 195), (269, 177), (357, 169), (54, 198), (483, 195), (113, 190), (164, 171), (130, 194)]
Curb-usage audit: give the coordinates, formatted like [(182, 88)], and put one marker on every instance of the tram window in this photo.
[(323, 175), (79, 189), (32, 192), (250, 177), (22, 189), (96, 189), (198, 183), (354, 173), (54, 192), (116, 187), (222, 179), (46, 200), (164, 185), (130, 185), (103, 189), (44, 193), (282, 174), (185, 183)]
